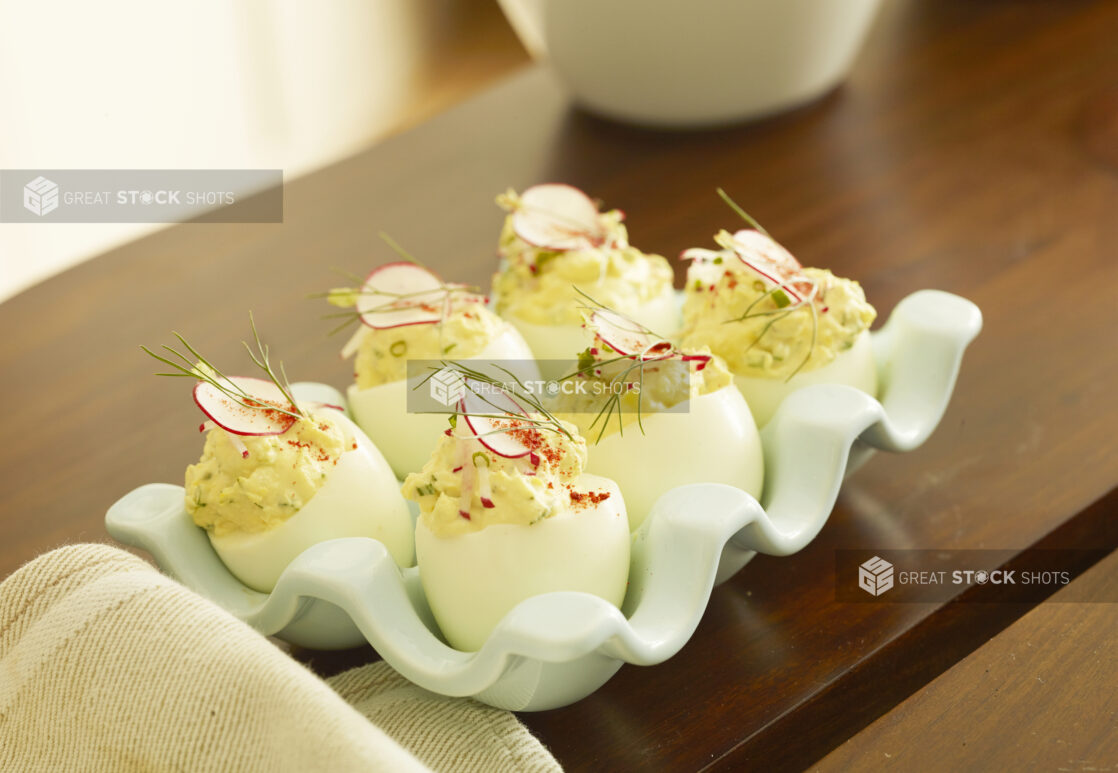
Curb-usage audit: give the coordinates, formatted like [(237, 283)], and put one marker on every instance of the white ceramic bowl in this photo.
[(557, 648), (670, 63)]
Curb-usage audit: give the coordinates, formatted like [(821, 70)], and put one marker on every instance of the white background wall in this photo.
[(108, 84)]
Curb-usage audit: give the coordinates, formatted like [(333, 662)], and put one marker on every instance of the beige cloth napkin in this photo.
[(106, 664)]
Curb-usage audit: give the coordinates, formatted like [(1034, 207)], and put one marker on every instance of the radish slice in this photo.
[(772, 261), (699, 253), (558, 217), (238, 444), (494, 400), (750, 242), (354, 342), (701, 360), (493, 433), (627, 337), (466, 491), (620, 333), (398, 294), (484, 490), (236, 418)]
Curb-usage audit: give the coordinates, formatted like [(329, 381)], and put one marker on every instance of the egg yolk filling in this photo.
[(465, 487), (538, 285), (464, 331), (730, 309), (250, 483)]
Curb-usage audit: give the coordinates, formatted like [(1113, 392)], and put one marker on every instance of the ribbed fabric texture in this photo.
[(107, 665)]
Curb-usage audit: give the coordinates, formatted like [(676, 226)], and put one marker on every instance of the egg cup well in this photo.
[(554, 649)]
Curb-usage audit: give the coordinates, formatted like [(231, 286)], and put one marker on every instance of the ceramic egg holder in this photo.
[(554, 649)]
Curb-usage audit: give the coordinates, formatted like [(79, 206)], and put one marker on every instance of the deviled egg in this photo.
[(407, 312), (658, 417), (506, 512), (556, 248), (779, 326), (277, 476)]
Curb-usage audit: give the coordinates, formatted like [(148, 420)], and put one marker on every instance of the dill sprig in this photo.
[(354, 315), (593, 304), (359, 291), (612, 405), (395, 246), (547, 419), (351, 318), (782, 312), (811, 348), (347, 274), (350, 296), (223, 383), (261, 360), (637, 361)]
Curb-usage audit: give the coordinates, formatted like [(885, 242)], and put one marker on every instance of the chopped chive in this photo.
[(741, 212)]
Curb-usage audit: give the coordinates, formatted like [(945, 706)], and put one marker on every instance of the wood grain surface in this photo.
[(972, 150), (1041, 695)]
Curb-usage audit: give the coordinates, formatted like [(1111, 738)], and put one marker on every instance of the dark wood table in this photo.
[(974, 149), (1045, 690)]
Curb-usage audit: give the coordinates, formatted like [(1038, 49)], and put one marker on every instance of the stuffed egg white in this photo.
[(557, 341), (506, 513), (778, 326), (657, 417), (854, 367), (408, 313), (277, 476), (557, 250), (319, 480), (405, 436)]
